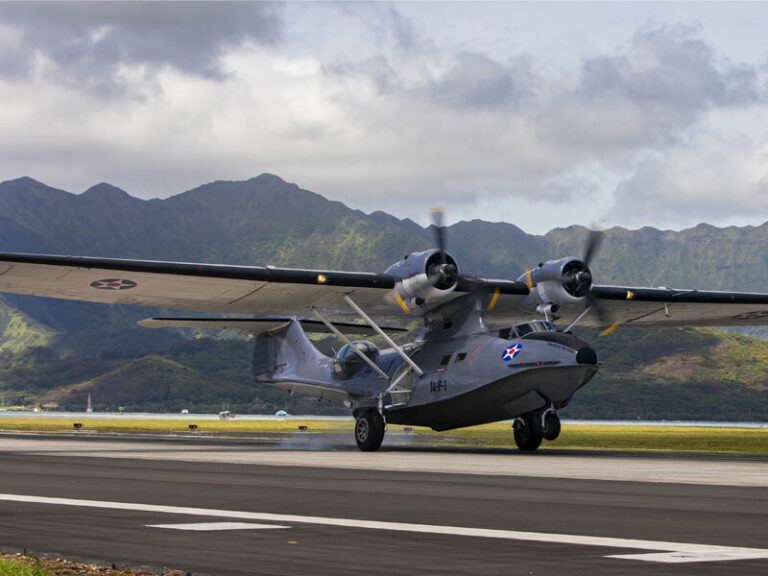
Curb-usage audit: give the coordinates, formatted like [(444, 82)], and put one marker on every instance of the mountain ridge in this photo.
[(267, 221)]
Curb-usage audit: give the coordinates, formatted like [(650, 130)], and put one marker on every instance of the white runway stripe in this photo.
[(680, 551), (214, 526)]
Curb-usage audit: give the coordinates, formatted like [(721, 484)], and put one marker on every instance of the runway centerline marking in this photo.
[(215, 526), (675, 551)]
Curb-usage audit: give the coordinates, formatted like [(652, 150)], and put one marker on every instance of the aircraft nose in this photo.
[(586, 355)]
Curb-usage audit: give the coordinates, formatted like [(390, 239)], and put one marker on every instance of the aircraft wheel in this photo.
[(369, 431), (551, 428), (528, 433)]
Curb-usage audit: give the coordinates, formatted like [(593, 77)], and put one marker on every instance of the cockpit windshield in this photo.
[(524, 328)]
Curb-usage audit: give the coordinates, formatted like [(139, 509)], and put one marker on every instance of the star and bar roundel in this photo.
[(113, 284), (511, 352)]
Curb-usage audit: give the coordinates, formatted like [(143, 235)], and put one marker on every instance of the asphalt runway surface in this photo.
[(249, 508)]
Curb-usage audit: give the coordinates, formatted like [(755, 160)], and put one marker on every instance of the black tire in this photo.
[(528, 432), (551, 429), (369, 431)]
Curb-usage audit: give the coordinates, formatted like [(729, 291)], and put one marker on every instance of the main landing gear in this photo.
[(369, 430), (531, 429)]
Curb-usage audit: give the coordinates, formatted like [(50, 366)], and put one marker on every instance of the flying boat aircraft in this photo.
[(487, 349)]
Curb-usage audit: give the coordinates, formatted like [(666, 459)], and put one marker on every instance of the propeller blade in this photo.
[(593, 243), (594, 240), (439, 231), (594, 303), (610, 329)]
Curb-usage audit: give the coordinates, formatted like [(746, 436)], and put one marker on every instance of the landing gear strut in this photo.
[(369, 430), (528, 432)]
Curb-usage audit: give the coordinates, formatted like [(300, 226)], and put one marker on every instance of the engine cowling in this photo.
[(423, 277), (556, 284)]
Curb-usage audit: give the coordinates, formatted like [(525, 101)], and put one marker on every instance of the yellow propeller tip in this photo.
[(494, 299), (610, 329), (401, 303)]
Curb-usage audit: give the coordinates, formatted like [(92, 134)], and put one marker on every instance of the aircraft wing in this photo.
[(649, 307), (259, 290), (194, 287), (641, 307)]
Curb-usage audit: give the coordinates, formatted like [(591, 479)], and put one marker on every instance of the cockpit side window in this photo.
[(523, 329)]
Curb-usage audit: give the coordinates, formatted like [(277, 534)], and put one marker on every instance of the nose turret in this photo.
[(585, 354)]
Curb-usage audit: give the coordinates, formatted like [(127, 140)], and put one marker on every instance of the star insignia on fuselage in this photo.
[(511, 352)]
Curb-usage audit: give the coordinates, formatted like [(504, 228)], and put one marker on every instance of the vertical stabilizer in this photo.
[(287, 354)]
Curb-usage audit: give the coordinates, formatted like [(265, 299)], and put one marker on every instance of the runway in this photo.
[(244, 508)]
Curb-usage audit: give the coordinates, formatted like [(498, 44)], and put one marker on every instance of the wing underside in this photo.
[(259, 325), (206, 288)]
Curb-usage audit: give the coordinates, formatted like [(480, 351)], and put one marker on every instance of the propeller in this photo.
[(595, 238), (584, 278), (442, 274)]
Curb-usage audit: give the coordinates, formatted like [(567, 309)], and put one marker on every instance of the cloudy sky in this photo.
[(540, 114)]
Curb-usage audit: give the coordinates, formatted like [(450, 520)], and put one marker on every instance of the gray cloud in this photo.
[(88, 40), (385, 22), (477, 81), (706, 179), (669, 69), (659, 86), (471, 82), (467, 80)]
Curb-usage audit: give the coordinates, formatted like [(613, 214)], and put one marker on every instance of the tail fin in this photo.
[(287, 354)]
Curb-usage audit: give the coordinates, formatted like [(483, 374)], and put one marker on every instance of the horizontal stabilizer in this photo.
[(261, 324)]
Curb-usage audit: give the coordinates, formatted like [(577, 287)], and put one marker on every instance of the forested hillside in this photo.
[(56, 353)]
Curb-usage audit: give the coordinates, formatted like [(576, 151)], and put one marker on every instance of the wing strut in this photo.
[(349, 343), (579, 317), (383, 334)]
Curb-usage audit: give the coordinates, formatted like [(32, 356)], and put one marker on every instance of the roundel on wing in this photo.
[(114, 284), (751, 315)]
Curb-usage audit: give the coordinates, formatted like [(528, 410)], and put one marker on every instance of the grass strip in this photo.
[(28, 564), (498, 435), (633, 438), (128, 425), (18, 568)]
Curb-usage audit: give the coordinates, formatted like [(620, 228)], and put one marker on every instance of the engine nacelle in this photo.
[(423, 277), (557, 284)]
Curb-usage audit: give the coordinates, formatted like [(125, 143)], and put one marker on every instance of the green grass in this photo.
[(175, 426), (573, 436), (632, 438), (16, 568)]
